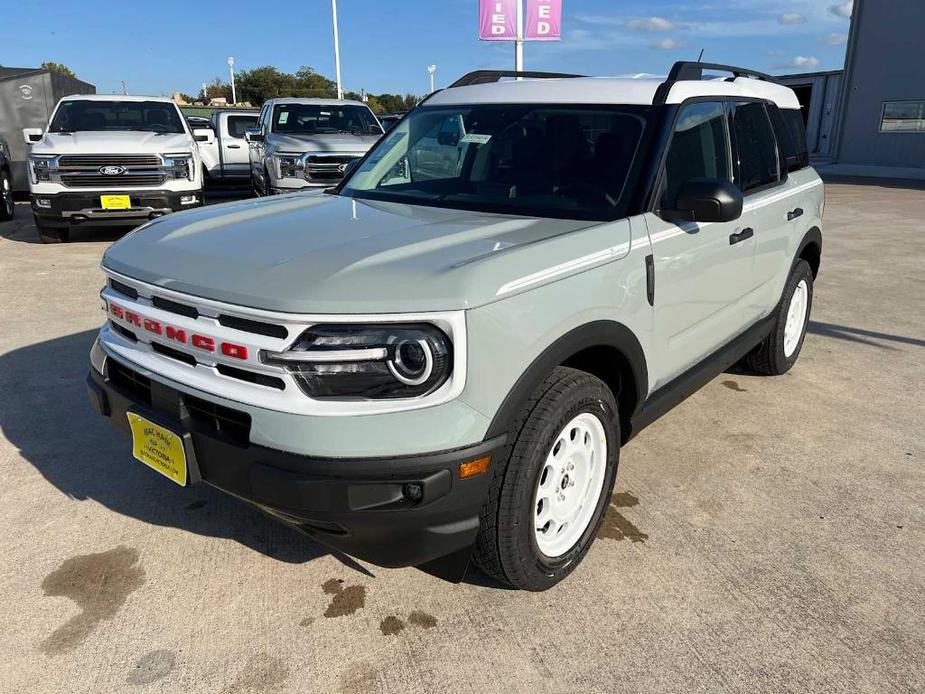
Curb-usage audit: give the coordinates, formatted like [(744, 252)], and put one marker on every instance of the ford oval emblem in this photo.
[(342, 168), (112, 170)]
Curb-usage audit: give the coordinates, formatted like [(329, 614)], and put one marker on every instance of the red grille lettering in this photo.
[(133, 318), (234, 351), (174, 334), (204, 343), (116, 311), (153, 326)]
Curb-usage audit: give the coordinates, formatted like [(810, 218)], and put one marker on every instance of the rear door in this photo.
[(701, 270), (768, 197), (235, 159)]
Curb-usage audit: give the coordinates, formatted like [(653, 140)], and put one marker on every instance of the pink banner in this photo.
[(544, 20), (498, 20)]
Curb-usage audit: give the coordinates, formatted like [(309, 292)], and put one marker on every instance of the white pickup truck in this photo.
[(112, 159), (225, 158)]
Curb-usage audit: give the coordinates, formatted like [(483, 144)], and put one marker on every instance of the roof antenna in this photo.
[(700, 57)]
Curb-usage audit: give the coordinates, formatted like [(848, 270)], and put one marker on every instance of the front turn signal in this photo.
[(474, 467)]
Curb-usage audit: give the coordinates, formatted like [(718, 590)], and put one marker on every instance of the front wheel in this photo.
[(7, 208), (781, 348), (547, 501)]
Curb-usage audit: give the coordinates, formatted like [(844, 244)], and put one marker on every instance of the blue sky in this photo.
[(385, 45)]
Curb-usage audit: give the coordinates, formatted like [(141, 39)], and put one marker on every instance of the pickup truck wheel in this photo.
[(780, 350), (547, 500), (7, 208), (52, 234)]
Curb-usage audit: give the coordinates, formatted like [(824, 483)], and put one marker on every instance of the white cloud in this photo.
[(652, 24), (669, 45), (791, 18), (801, 62), (837, 39), (842, 9)]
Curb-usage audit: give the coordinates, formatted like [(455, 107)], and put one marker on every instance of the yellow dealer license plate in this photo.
[(158, 447), (115, 202)]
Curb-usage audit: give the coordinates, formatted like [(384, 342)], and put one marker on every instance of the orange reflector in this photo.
[(474, 467)]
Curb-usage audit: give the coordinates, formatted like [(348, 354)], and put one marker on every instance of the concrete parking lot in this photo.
[(766, 536)]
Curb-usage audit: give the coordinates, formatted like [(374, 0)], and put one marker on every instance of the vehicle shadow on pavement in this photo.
[(46, 415), (22, 229)]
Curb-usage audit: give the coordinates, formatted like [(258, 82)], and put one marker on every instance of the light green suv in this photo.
[(439, 360)]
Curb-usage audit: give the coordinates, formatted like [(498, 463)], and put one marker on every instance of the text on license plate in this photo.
[(158, 448)]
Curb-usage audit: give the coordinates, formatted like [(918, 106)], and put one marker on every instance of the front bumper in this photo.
[(364, 507), (84, 206)]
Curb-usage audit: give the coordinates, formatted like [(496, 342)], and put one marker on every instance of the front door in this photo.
[(235, 159), (702, 270)]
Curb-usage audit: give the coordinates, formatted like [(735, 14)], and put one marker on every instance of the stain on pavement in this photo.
[(152, 666), (422, 620), (99, 584), (615, 525), (261, 673), (344, 601), (733, 385), (391, 625)]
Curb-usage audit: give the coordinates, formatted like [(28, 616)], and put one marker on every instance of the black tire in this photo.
[(506, 548), (51, 234), (770, 357), (7, 208)]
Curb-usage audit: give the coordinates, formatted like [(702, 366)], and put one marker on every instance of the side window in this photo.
[(791, 136), (238, 124), (699, 149), (264, 123), (756, 146)]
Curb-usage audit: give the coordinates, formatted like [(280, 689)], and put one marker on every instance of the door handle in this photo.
[(793, 214), (234, 146), (743, 235)]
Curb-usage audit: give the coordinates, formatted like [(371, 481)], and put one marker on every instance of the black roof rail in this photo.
[(689, 71), (489, 76)]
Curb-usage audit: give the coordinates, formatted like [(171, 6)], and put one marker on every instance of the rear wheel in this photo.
[(7, 208), (547, 501), (781, 348), (51, 234)]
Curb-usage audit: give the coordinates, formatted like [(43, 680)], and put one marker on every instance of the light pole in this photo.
[(340, 89), (519, 41), (234, 93), (432, 70)]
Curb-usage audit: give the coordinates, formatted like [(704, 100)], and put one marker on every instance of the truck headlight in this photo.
[(290, 165), (42, 167), (179, 166), (373, 362)]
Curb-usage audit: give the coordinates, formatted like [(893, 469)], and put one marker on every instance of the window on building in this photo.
[(699, 149), (757, 148), (903, 117)]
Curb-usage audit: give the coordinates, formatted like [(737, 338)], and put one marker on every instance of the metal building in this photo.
[(820, 96), (27, 98)]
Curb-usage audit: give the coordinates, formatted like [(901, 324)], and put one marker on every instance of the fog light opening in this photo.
[(188, 199), (413, 491)]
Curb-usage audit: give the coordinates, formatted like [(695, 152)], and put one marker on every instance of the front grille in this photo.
[(251, 377), (174, 307), (253, 326), (125, 332), (91, 180), (173, 353), (326, 167), (123, 289), (95, 161), (231, 424), (129, 381)]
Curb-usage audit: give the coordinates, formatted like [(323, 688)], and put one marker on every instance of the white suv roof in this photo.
[(618, 90), (116, 97), (314, 101)]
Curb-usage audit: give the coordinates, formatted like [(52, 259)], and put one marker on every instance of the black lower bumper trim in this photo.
[(401, 511), (84, 206)]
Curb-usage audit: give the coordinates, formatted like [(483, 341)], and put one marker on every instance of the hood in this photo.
[(319, 253), (112, 142), (322, 143)]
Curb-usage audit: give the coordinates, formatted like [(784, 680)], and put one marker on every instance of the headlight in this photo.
[(368, 361), (290, 165), (42, 167), (179, 166)]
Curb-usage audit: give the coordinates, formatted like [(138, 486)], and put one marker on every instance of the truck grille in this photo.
[(325, 168), (89, 180), (95, 161), (83, 170)]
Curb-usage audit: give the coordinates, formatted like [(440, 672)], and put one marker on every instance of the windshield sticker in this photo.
[(283, 117), (476, 138)]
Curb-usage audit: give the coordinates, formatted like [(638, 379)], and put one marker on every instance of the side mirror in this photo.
[(708, 200), (204, 135), (253, 134), (32, 135)]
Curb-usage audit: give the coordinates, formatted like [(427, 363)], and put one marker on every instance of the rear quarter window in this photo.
[(791, 136), (756, 146)]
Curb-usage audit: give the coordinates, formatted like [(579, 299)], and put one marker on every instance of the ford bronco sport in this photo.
[(440, 359)]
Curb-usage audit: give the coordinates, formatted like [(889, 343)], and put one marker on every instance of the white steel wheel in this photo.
[(796, 318), (569, 485)]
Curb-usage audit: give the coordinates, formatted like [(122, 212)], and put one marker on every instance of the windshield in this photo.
[(537, 160), (316, 119), (149, 116)]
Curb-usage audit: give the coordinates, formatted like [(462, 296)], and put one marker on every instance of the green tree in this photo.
[(216, 90), (59, 68)]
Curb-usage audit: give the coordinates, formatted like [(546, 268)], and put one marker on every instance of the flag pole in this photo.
[(519, 41)]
